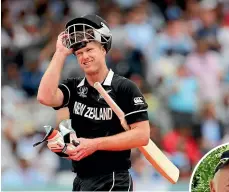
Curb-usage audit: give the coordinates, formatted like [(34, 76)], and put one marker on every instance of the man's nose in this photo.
[(85, 55)]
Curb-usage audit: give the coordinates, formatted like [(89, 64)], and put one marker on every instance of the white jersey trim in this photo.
[(107, 81), (129, 183), (113, 181), (139, 111), (68, 93)]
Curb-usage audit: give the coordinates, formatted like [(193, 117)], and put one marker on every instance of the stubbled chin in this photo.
[(90, 70)]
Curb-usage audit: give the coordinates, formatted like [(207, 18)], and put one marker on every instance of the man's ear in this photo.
[(103, 50), (211, 185)]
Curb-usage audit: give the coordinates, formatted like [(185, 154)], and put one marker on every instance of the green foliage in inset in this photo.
[(204, 173)]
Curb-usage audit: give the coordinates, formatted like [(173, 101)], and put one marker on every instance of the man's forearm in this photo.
[(123, 141), (50, 81)]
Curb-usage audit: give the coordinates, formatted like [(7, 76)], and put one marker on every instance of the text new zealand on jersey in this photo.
[(92, 112)]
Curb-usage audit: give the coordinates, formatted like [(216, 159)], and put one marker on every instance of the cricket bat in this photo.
[(151, 152)]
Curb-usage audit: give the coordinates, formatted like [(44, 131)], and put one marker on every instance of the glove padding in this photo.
[(61, 142), (65, 141), (62, 145)]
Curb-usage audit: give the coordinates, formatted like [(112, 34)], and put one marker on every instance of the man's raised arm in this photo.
[(48, 93)]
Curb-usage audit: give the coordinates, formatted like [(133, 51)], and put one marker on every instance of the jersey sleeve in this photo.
[(132, 102), (66, 87)]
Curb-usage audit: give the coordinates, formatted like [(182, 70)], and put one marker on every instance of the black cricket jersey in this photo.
[(91, 117)]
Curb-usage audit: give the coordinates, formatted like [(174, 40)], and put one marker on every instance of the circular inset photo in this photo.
[(211, 174)]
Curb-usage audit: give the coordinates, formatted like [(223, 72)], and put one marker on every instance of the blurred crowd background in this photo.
[(176, 51)]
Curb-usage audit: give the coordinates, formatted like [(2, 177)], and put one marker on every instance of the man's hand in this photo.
[(57, 144), (84, 149), (60, 47)]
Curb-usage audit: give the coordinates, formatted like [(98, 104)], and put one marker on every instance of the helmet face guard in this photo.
[(78, 35)]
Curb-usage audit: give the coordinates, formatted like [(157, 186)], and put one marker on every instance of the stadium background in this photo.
[(176, 51)]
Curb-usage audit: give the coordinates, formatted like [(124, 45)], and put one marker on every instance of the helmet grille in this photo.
[(77, 35)]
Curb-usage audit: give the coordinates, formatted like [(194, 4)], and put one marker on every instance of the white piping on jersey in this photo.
[(106, 82), (113, 181), (81, 83), (129, 183), (109, 78), (68, 92), (135, 112)]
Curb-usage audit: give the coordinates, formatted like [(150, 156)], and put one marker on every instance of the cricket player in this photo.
[(220, 182), (102, 159)]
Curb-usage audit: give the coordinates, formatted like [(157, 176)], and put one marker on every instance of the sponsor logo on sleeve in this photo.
[(138, 101)]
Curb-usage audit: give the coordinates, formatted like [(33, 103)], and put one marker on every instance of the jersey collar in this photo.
[(106, 82)]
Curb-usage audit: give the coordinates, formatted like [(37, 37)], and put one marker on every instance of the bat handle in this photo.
[(124, 124)]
